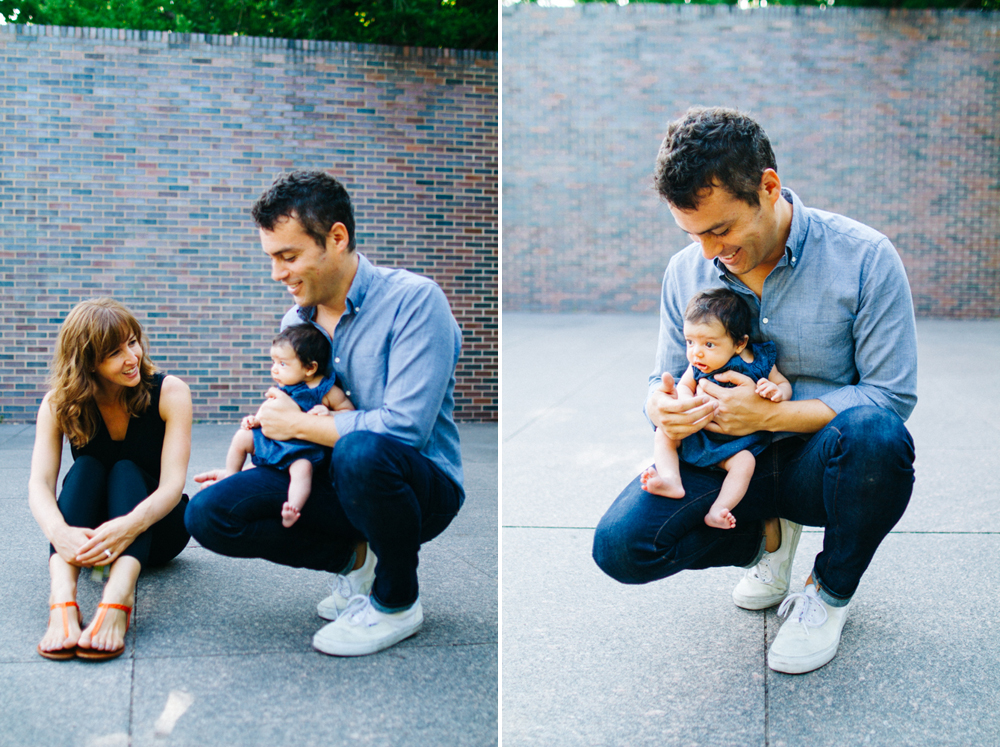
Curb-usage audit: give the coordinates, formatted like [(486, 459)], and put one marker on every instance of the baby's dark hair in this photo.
[(723, 305), (308, 344)]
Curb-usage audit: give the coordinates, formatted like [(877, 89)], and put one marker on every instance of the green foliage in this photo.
[(458, 24)]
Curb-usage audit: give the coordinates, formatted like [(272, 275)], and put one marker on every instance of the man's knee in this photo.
[(358, 455), (877, 431), (612, 550), (200, 516)]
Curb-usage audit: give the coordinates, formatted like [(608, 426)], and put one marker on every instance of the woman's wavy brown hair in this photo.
[(91, 332)]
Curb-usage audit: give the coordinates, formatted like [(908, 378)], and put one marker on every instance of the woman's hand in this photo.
[(107, 542), (68, 541)]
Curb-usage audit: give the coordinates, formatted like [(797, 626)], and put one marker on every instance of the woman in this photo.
[(120, 505)]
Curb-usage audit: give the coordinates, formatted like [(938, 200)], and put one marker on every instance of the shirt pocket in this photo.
[(826, 351)]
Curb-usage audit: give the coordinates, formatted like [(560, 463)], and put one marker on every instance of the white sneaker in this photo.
[(766, 583), (345, 586), (809, 638), (361, 629)]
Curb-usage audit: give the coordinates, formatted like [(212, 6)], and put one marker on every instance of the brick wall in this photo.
[(891, 118), (129, 161)]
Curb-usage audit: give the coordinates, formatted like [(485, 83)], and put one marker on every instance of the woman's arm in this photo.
[(117, 534), (45, 460)]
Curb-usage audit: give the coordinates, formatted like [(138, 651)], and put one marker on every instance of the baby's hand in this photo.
[(249, 423), (769, 390), (320, 410)]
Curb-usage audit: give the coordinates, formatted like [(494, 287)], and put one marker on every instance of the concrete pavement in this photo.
[(219, 652), (588, 661)]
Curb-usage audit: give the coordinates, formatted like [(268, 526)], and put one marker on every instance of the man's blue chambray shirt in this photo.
[(837, 306), (394, 353)]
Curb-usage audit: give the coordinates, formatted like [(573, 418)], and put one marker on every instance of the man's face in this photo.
[(311, 273), (742, 236)]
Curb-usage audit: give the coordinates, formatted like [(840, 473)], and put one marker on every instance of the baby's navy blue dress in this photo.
[(706, 449), (280, 454)]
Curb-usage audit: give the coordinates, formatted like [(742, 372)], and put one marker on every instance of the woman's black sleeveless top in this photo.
[(143, 442)]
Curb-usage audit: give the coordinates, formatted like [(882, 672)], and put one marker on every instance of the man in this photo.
[(832, 294), (395, 474)]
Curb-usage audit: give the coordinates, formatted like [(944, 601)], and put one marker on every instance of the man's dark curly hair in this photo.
[(308, 344), (723, 305), (712, 147), (315, 198)]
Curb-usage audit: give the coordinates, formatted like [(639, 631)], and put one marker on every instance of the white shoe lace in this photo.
[(762, 571), (359, 611), (341, 584), (810, 613)]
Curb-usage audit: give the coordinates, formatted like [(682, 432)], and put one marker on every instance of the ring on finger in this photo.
[(108, 553)]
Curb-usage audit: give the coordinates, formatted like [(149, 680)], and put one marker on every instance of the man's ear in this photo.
[(338, 238), (770, 186)]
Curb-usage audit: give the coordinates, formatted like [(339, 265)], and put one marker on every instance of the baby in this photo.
[(299, 355), (717, 333)]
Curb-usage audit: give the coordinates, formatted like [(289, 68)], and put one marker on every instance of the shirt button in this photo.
[(336, 360), (764, 320), (347, 393)]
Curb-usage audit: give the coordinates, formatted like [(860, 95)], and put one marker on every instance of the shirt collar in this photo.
[(355, 294), (799, 230)]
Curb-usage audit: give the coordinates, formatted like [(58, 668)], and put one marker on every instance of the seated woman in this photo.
[(129, 429)]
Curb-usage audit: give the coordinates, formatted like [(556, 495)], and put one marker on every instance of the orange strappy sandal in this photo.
[(61, 654), (95, 655)]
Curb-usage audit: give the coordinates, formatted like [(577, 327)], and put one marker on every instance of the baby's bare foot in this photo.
[(720, 518), (669, 486), (289, 514), (58, 637)]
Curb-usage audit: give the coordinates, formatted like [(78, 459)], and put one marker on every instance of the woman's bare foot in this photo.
[(289, 514), (720, 518), (56, 636), (669, 486), (111, 635)]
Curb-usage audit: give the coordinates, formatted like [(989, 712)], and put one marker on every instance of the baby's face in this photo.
[(708, 346), (286, 368)]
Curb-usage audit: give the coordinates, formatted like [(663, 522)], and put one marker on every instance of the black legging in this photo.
[(92, 494)]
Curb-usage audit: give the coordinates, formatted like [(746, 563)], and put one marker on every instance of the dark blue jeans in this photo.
[(378, 490), (92, 494), (853, 477)]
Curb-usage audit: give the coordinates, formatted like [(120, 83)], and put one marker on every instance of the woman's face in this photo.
[(121, 366)]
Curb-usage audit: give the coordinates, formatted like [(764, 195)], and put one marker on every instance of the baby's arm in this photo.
[(775, 387), (334, 401), (251, 421), (687, 386)]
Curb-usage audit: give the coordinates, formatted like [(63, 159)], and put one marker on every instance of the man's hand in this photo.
[(741, 411), (678, 418), (278, 415)]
